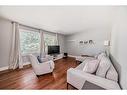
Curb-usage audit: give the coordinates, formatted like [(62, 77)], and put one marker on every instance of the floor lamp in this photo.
[(107, 44)]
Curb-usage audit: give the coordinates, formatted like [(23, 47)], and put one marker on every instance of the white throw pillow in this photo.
[(103, 67), (101, 55), (112, 74), (91, 66)]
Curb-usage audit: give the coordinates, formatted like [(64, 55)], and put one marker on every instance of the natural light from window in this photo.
[(49, 39), (29, 41)]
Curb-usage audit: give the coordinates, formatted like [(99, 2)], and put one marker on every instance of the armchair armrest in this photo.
[(44, 67), (47, 64)]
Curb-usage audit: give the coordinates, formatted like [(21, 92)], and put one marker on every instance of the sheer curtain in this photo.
[(49, 39), (57, 41), (15, 58), (42, 46)]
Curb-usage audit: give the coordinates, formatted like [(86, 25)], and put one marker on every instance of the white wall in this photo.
[(119, 44), (60, 19), (5, 34), (98, 35)]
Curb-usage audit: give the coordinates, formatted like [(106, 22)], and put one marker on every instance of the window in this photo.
[(29, 41), (49, 39)]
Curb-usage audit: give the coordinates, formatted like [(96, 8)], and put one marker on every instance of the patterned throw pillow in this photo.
[(91, 66), (103, 67)]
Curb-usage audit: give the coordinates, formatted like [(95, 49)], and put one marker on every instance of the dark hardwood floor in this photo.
[(26, 78)]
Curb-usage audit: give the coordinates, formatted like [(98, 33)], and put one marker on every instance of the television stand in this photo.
[(57, 56)]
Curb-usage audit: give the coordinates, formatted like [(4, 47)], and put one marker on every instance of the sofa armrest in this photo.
[(74, 79), (102, 82)]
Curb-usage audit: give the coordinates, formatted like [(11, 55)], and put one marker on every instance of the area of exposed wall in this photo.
[(5, 43), (98, 35), (5, 34), (60, 19), (119, 44)]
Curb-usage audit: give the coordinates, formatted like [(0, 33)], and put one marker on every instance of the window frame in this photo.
[(30, 30), (42, 39)]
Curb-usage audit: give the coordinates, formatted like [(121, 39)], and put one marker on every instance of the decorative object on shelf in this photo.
[(81, 42), (91, 42), (86, 42)]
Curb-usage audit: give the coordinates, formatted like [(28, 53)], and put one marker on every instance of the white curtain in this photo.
[(15, 58), (42, 46), (57, 41)]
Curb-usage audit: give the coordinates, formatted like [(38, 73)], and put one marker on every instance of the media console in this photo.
[(57, 56)]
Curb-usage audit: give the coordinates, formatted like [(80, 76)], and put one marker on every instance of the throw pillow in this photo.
[(112, 74), (91, 66), (100, 56), (39, 59), (103, 67)]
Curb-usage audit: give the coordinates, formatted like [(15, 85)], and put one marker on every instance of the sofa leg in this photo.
[(67, 85), (51, 73), (37, 75)]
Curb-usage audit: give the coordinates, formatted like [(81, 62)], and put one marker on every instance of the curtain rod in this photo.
[(33, 27), (27, 25)]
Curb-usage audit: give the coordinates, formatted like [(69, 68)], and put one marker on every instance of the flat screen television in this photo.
[(55, 49)]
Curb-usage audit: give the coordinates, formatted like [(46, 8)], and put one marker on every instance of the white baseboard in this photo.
[(59, 56), (6, 67), (3, 68), (72, 56)]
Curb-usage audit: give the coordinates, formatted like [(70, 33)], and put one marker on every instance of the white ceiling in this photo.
[(60, 19)]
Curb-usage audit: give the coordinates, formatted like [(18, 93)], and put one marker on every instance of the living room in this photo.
[(63, 47)]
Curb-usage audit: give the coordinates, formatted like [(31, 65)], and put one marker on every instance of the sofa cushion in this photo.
[(91, 66), (112, 74), (103, 67)]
